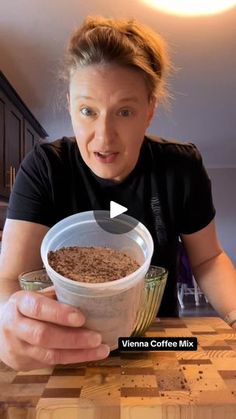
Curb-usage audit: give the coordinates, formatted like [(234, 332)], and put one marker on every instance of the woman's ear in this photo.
[(152, 109)]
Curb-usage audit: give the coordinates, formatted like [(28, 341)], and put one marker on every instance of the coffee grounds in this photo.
[(91, 264)]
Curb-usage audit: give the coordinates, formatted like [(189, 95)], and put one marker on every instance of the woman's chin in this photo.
[(113, 175)]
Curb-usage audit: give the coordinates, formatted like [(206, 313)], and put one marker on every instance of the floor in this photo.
[(191, 310)]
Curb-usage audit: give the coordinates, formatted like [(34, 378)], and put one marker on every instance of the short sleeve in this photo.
[(197, 209), (31, 197)]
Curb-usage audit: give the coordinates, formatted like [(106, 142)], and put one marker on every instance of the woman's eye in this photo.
[(125, 112), (86, 112)]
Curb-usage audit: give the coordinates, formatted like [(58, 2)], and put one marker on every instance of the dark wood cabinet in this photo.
[(12, 123), (30, 138), (19, 130)]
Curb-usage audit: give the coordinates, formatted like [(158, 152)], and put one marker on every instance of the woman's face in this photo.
[(110, 112)]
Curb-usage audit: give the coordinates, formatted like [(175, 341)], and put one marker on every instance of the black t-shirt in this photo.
[(168, 191)]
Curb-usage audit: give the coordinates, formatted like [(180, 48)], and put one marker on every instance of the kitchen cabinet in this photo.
[(10, 142), (19, 130)]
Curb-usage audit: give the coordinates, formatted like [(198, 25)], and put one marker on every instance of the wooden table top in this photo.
[(135, 385)]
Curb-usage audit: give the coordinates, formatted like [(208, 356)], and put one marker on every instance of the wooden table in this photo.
[(135, 385)]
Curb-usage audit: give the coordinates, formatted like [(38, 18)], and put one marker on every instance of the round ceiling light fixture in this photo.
[(192, 7)]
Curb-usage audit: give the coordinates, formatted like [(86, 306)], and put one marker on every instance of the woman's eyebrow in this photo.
[(84, 97), (123, 99), (129, 99)]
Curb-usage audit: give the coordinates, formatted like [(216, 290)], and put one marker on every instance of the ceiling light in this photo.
[(192, 7)]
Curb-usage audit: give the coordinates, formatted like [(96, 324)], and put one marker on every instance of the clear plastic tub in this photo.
[(110, 307)]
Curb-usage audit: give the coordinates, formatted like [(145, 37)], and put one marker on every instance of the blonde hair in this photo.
[(123, 42)]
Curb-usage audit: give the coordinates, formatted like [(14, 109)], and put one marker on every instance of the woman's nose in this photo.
[(105, 130)]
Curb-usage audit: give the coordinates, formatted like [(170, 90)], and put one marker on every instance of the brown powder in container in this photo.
[(91, 264)]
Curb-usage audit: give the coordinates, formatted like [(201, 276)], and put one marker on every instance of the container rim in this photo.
[(44, 252), (162, 273)]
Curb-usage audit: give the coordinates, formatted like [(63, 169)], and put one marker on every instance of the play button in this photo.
[(115, 221), (116, 209)]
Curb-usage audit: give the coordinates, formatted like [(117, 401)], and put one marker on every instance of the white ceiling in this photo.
[(33, 35)]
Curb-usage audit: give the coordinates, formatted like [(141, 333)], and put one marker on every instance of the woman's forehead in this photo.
[(96, 80)]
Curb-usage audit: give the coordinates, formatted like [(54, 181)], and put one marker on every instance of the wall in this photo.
[(224, 194)]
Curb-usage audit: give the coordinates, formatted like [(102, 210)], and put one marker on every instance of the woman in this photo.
[(117, 75)]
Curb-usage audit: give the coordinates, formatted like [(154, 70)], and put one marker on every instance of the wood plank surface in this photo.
[(163, 384)]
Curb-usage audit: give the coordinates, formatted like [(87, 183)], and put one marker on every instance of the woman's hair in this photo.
[(123, 42)]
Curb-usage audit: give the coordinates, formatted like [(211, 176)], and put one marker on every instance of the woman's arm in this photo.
[(212, 268)]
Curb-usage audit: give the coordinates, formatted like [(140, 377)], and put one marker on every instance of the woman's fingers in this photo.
[(49, 292), (37, 306), (51, 357), (48, 335), (37, 332), (25, 357)]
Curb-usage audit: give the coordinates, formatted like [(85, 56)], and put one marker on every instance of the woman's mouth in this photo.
[(106, 157)]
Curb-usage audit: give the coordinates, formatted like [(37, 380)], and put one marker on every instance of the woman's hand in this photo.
[(37, 332)]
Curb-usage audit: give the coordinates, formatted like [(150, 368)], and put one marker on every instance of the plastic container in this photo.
[(111, 307)]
